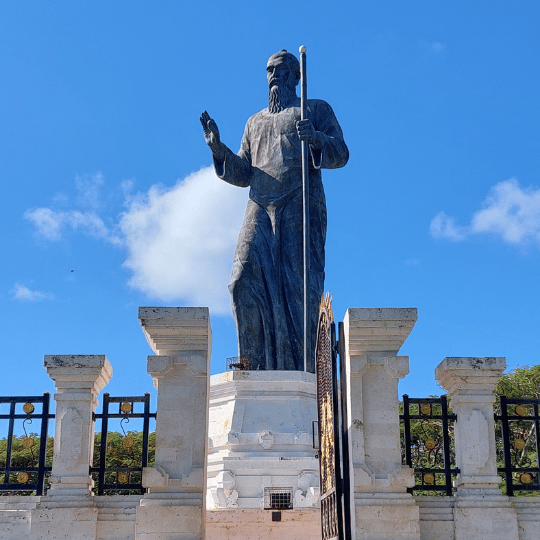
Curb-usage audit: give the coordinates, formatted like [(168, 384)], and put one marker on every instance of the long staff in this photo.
[(305, 207)]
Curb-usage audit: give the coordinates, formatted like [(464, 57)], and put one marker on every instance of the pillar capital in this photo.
[(175, 331), (377, 331), (78, 373), (464, 377)]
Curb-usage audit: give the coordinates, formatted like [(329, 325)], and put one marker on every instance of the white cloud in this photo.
[(48, 222), (437, 47), (51, 224), (21, 292), (181, 241), (89, 190), (509, 212), (443, 226)]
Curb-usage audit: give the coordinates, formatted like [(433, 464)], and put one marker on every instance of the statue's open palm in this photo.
[(211, 131)]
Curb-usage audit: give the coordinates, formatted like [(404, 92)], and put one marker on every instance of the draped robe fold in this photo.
[(267, 278)]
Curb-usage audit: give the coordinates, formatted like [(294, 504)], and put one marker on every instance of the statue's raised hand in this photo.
[(211, 135)]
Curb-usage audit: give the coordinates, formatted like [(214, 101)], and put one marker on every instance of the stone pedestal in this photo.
[(181, 338), (260, 439), (481, 511), (68, 512), (383, 510)]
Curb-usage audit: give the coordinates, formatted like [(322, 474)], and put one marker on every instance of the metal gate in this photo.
[(333, 525)]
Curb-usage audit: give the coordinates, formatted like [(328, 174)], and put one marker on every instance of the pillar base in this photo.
[(485, 518), (61, 523), (169, 518), (391, 516)]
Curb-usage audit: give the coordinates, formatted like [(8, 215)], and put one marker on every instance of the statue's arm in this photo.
[(325, 137), (234, 169)]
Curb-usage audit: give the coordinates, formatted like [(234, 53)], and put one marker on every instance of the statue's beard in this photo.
[(280, 97)]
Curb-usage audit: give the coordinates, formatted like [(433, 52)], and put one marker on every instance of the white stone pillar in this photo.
[(383, 509), (68, 512), (481, 510), (173, 507)]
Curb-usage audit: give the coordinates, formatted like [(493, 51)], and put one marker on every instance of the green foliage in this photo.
[(123, 452), (24, 453), (523, 383), (427, 450)]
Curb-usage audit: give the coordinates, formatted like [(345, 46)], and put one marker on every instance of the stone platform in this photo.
[(261, 438)]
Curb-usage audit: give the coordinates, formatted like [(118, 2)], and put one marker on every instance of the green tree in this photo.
[(24, 453), (522, 383)]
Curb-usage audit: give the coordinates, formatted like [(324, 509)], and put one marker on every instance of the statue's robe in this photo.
[(267, 276)]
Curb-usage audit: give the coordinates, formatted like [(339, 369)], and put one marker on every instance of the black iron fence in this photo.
[(518, 445), (120, 456), (427, 444), (23, 450)]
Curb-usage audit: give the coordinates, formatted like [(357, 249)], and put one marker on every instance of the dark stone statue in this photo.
[(267, 276)]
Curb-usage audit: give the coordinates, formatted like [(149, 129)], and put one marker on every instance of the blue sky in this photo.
[(109, 203)]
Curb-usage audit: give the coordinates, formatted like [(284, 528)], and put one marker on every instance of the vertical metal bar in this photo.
[(446, 446), (9, 442), (43, 443), (146, 429), (347, 531), (506, 447), (103, 447), (407, 430), (305, 212), (337, 432), (537, 433)]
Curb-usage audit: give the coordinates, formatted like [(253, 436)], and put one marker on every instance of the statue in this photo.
[(267, 277)]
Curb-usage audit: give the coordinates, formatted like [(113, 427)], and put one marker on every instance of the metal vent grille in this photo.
[(278, 499)]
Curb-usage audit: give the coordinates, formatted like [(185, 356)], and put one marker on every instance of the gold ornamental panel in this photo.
[(28, 443), (123, 477), (521, 410), (128, 442), (425, 409), (28, 408), (430, 444), (520, 444), (525, 478), (429, 479), (23, 477), (126, 407)]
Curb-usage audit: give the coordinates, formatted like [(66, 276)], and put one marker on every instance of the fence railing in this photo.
[(427, 443), (119, 457), (23, 457), (520, 444), (121, 471)]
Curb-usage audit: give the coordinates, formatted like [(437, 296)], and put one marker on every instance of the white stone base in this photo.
[(64, 523), (387, 517), (436, 517), (252, 524), (168, 523), (261, 436), (485, 518), (528, 511), (15, 513), (116, 518)]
